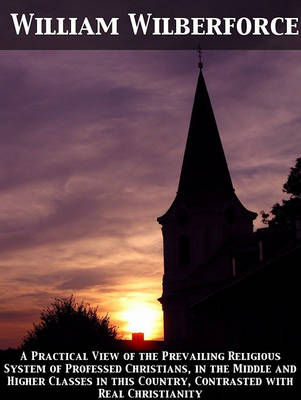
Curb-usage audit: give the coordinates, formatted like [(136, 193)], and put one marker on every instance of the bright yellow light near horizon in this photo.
[(141, 319)]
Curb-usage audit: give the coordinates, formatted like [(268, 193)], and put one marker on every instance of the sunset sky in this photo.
[(91, 150)]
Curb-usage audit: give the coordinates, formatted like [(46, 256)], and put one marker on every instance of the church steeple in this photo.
[(201, 225), (204, 171), (205, 181)]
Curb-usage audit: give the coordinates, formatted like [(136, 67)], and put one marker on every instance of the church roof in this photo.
[(281, 264), (204, 168), (205, 179)]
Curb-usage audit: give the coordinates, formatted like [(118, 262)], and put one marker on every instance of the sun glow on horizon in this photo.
[(141, 318)]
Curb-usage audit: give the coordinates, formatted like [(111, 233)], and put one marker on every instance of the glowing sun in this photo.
[(140, 319)]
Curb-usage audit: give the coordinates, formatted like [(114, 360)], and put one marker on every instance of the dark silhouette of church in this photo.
[(223, 285)]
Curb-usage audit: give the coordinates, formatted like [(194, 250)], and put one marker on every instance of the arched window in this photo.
[(184, 250)]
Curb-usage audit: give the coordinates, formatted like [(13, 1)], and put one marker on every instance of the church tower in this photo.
[(205, 216)]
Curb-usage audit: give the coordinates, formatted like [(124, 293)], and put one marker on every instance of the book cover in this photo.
[(150, 199)]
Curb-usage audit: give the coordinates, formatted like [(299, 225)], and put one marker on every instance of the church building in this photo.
[(210, 250)]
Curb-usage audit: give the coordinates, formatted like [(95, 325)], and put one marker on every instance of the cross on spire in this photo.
[(200, 56)]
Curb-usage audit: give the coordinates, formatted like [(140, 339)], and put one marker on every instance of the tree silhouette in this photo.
[(67, 325), (286, 214)]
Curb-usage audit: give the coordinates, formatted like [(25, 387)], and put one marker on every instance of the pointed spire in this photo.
[(204, 172)]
